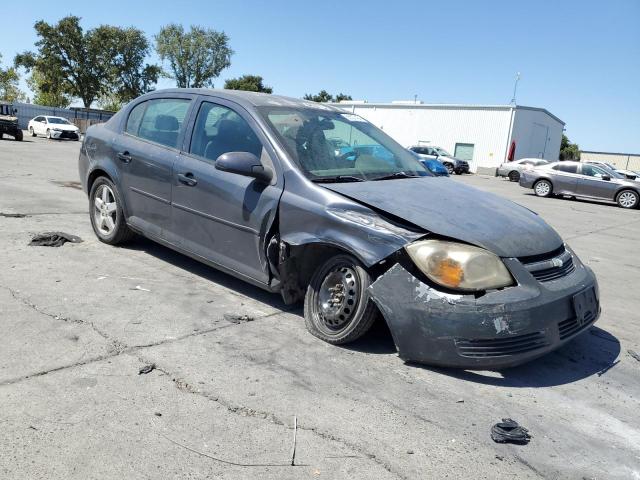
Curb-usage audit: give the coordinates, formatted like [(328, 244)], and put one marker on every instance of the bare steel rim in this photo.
[(337, 298), (543, 188), (628, 199), (105, 210)]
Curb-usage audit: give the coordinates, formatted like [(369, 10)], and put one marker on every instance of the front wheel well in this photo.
[(299, 262)]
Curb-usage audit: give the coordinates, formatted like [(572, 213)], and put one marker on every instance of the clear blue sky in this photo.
[(579, 59)]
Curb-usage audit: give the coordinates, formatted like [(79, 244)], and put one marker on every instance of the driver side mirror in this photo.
[(244, 163), (606, 177)]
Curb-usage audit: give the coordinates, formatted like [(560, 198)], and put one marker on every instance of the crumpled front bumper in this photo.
[(500, 329)]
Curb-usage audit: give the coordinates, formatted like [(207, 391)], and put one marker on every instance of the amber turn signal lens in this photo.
[(449, 273)]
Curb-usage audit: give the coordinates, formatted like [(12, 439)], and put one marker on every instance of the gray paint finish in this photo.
[(475, 217)]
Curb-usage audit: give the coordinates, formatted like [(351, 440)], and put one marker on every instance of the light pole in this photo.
[(515, 88)]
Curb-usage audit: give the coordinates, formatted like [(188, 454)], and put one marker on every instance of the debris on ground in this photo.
[(138, 287), (157, 414), (508, 431), (13, 215), (238, 318), (68, 183), (147, 369), (460, 400), (53, 239), (634, 355)]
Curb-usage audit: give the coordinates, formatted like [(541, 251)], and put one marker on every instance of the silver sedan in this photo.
[(582, 180)]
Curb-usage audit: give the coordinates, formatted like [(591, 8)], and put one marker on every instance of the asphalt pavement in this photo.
[(234, 366)]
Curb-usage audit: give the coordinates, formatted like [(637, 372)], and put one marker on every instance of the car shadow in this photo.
[(594, 352), (208, 273)]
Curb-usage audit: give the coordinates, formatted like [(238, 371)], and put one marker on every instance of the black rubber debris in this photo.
[(634, 355), (13, 215), (53, 239), (147, 369), (508, 431), (237, 318)]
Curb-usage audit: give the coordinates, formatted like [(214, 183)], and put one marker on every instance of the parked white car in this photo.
[(512, 170), (53, 127)]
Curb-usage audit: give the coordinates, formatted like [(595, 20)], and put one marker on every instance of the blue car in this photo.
[(435, 167)]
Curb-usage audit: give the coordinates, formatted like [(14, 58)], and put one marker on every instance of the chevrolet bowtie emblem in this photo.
[(557, 262)]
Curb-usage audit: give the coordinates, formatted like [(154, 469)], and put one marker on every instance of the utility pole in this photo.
[(515, 89)]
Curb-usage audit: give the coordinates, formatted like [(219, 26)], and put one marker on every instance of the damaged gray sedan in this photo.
[(323, 207)]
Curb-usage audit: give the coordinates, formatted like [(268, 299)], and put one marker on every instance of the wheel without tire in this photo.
[(543, 188), (514, 176), (33, 134), (628, 199), (107, 217), (337, 306)]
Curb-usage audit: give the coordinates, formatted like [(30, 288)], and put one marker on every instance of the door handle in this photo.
[(125, 157), (187, 179)]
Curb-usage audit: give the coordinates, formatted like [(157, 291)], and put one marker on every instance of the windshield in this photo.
[(335, 146), (442, 152), (58, 120)]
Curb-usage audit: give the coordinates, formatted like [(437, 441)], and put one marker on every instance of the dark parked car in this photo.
[(251, 184), (582, 180), (451, 163)]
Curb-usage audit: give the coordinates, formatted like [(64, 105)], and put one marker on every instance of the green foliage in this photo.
[(568, 150), (88, 65), (9, 90), (47, 94), (324, 96), (249, 83), (196, 57)]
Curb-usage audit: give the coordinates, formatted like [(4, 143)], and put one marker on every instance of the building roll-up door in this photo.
[(464, 151)]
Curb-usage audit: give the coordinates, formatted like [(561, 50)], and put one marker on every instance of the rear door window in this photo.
[(159, 120), (566, 168)]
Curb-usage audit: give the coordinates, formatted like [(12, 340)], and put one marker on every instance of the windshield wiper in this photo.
[(394, 175), (337, 179)]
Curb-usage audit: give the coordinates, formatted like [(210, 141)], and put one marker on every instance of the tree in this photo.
[(88, 65), (196, 57), (568, 150), (9, 79), (342, 96), (45, 93), (249, 83), (324, 96), (130, 76)]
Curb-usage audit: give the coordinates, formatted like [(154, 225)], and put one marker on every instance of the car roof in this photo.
[(252, 99)]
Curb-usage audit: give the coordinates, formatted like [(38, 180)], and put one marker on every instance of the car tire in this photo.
[(48, 134), (18, 136), (108, 223), (449, 168), (628, 199), (344, 281), (1, 134), (32, 133), (543, 188), (514, 176)]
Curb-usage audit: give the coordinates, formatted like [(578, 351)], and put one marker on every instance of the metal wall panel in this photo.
[(26, 111), (624, 161), (537, 134)]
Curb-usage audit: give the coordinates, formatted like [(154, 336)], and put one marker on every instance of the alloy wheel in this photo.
[(105, 210), (628, 199), (543, 189), (338, 297)]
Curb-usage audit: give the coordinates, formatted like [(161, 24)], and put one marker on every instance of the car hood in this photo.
[(446, 207)]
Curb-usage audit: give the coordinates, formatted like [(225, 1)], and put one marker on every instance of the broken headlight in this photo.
[(459, 266)]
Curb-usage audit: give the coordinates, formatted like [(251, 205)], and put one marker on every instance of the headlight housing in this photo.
[(459, 266)]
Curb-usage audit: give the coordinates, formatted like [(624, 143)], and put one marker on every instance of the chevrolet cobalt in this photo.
[(255, 185)]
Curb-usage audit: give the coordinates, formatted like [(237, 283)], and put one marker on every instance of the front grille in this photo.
[(572, 326), (501, 347), (66, 134), (552, 266)]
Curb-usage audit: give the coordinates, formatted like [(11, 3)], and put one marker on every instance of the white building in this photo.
[(482, 134)]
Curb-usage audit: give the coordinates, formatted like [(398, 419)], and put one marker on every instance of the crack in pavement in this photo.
[(244, 411), (118, 347)]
